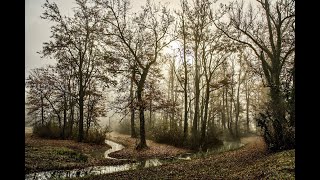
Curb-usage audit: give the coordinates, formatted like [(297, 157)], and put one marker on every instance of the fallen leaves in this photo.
[(249, 162), (46, 154), (155, 150)]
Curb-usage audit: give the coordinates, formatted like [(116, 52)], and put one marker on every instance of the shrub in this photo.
[(171, 137), (49, 130), (175, 137), (97, 135)]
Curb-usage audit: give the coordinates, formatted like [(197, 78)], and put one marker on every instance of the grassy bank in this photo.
[(44, 154)]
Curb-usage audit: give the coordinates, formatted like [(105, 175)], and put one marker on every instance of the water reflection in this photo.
[(96, 170), (114, 147)]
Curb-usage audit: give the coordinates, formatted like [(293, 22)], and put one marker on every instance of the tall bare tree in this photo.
[(269, 32), (144, 39), (75, 39)]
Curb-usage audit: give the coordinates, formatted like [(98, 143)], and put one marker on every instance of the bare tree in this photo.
[(144, 39), (269, 32), (75, 40)]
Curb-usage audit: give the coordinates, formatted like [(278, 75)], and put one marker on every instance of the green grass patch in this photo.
[(79, 157)]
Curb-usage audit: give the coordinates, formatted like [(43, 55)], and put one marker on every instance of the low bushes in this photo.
[(49, 130), (175, 137), (95, 135), (171, 137)]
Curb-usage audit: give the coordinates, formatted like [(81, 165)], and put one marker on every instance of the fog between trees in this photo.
[(230, 73)]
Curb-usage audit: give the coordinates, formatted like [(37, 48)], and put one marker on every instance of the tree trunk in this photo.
[(196, 102), (132, 108), (204, 120), (223, 114), (143, 143), (185, 127), (247, 107), (150, 115), (64, 115), (88, 118), (172, 95), (71, 106), (279, 116), (81, 104), (42, 110), (71, 121), (238, 103), (80, 125)]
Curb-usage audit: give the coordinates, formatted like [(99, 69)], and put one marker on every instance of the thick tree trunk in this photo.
[(142, 144), (279, 116)]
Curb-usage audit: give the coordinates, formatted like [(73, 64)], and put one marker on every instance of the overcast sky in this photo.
[(37, 30)]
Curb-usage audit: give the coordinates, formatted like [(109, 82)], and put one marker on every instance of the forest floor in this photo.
[(47, 154), (249, 162), (154, 150)]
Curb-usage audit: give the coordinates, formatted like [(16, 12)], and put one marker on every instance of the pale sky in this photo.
[(37, 30)]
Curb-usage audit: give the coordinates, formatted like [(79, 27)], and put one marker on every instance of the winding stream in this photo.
[(96, 170)]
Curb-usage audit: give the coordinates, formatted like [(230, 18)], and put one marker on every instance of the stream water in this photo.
[(96, 170)]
